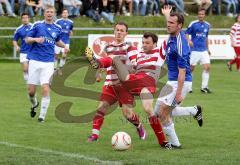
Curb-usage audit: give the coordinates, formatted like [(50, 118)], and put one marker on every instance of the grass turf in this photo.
[(215, 143)]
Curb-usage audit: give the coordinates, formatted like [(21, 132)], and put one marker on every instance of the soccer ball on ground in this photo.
[(121, 141)]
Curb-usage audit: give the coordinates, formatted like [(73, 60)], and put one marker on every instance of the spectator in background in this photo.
[(26, 6), (142, 6), (154, 7), (229, 4), (123, 4), (12, 4), (90, 8), (235, 43), (8, 8), (216, 7), (177, 3), (105, 13), (205, 4), (73, 7), (42, 5), (116, 6)]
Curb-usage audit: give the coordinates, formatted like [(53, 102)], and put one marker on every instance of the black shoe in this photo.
[(41, 120), (166, 145), (32, 112), (190, 91), (206, 90), (198, 115), (91, 58), (229, 66), (176, 147)]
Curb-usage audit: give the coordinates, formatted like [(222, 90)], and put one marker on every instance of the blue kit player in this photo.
[(21, 33), (43, 36)]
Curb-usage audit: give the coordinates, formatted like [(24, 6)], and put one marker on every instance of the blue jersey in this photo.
[(199, 33), (178, 56), (67, 27), (21, 33), (44, 51)]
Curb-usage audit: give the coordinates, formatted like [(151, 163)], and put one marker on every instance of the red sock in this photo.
[(233, 61), (97, 123), (134, 120), (105, 62), (238, 62), (157, 128)]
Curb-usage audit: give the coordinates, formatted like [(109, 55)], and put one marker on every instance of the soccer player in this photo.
[(21, 33), (67, 30), (198, 30), (113, 91), (235, 43), (42, 36), (143, 83), (177, 52)]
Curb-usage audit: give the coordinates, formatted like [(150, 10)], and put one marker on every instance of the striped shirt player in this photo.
[(21, 33), (128, 54), (235, 42), (148, 67), (198, 30)]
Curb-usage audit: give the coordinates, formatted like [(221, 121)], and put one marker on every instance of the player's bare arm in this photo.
[(62, 45), (31, 40), (16, 46)]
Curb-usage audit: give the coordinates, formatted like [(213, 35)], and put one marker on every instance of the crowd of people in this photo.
[(107, 9)]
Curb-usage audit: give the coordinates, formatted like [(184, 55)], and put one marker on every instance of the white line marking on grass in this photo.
[(66, 154)]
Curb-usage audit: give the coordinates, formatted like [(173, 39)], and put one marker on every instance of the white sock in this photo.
[(62, 62), (184, 111), (171, 134), (25, 76), (33, 100), (205, 78), (44, 106)]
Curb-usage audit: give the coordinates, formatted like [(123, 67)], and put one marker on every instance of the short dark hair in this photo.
[(64, 10), (180, 17), (236, 18), (24, 14), (122, 23), (152, 35), (201, 9)]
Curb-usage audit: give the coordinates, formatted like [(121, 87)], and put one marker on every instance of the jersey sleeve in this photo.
[(132, 53), (71, 27), (183, 52), (162, 50), (16, 36), (189, 29), (32, 31)]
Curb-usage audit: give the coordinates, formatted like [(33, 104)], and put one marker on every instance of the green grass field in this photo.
[(24, 141)]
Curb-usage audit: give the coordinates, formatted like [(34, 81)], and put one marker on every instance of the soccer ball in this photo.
[(121, 141)]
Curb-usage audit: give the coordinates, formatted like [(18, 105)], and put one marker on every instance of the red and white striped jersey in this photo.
[(235, 34), (151, 63), (128, 54)]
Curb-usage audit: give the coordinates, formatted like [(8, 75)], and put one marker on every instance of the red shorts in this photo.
[(237, 50), (112, 94), (139, 81)]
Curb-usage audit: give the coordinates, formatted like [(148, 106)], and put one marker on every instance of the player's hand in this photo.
[(166, 10), (179, 98), (17, 48), (39, 40), (190, 43), (66, 49), (209, 52)]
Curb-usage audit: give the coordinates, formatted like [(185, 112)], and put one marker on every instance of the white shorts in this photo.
[(40, 73), (59, 50), (199, 57), (23, 57), (171, 89)]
